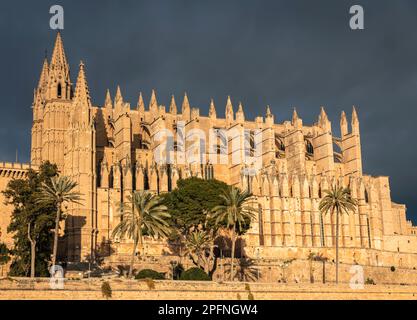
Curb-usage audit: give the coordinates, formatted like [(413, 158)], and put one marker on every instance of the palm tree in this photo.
[(337, 201), (236, 213), (198, 243), (147, 214), (59, 191)]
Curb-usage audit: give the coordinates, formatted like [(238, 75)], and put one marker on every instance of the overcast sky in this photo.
[(282, 53)]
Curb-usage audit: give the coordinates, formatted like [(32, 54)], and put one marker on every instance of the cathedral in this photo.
[(114, 149)]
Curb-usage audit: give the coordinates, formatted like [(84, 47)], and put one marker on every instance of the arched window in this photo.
[(145, 180), (279, 147), (309, 147), (59, 91), (366, 196)]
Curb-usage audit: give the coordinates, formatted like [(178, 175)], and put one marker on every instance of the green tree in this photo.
[(144, 214), (22, 195), (189, 203), (235, 211), (190, 206), (58, 192), (4, 256), (337, 200)]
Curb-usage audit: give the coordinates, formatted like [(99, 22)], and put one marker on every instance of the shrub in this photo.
[(250, 296), (106, 290), (150, 274), (392, 268), (247, 287), (196, 274), (370, 281)]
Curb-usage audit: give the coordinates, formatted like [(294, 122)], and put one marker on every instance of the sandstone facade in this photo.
[(111, 150)]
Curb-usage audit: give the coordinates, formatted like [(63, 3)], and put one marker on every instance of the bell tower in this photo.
[(56, 107)]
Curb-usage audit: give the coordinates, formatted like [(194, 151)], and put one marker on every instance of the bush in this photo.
[(106, 290), (196, 274), (150, 274), (392, 268), (370, 281)]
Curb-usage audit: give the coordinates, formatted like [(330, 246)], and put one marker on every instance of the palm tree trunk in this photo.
[(324, 271), (56, 235), (233, 254), (337, 246), (32, 253), (132, 260)]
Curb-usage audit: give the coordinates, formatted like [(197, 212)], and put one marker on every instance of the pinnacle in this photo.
[(82, 93), (119, 97), (108, 102), (58, 55)]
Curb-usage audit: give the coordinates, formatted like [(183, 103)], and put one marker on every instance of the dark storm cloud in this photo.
[(281, 53)]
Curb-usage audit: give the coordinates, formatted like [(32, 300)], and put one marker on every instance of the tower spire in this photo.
[(343, 124), (212, 110), (355, 118), (82, 93), (229, 111), (59, 82), (141, 104), (323, 119), (185, 108), (43, 79), (294, 116), (173, 106), (59, 59), (108, 102), (185, 103), (240, 115), (153, 104), (355, 121), (118, 98)]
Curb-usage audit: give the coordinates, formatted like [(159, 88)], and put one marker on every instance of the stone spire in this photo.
[(355, 118), (343, 124), (141, 104), (173, 106), (185, 103), (212, 110), (355, 121), (323, 119), (240, 115), (43, 79), (82, 93), (118, 99), (294, 116), (323, 115), (269, 119), (296, 121), (108, 102), (229, 111), (59, 59), (185, 109), (153, 104), (59, 82), (268, 112)]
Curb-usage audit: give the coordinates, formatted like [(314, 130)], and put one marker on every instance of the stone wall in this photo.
[(16, 289)]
